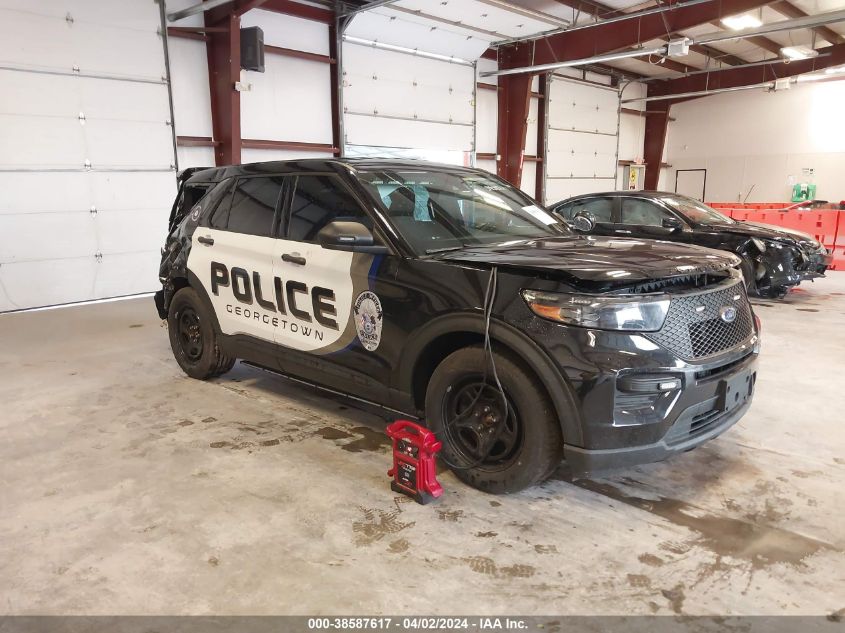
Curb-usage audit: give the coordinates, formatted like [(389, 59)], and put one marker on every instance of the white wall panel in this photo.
[(579, 106), (557, 190), (398, 84), (52, 143), (259, 155), (487, 121), (580, 154), (195, 157), (373, 130), (414, 32), (47, 282), (530, 171), (631, 129), (755, 145), (108, 142), (38, 40), (399, 100), (583, 123), (498, 19), (290, 101), (120, 274), (531, 148), (487, 165), (288, 31), (67, 233), (191, 95)]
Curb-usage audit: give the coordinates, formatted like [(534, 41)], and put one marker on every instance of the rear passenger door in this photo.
[(326, 292), (232, 255)]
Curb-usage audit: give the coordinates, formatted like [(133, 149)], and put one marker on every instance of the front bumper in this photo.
[(711, 402), (814, 264), (636, 400)]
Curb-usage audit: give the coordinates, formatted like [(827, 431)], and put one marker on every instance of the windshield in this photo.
[(695, 211), (437, 211)]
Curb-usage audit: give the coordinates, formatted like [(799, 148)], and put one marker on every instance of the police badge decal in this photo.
[(368, 318)]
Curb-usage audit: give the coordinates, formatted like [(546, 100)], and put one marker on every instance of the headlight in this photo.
[(760, 244), (634, 314)]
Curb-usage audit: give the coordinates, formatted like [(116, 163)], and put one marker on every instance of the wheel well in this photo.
[(433, 355), (436, 351)]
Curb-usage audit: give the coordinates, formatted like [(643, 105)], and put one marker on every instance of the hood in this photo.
[(763, 231), (599, 258)]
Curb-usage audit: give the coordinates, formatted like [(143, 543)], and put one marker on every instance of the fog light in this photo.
[(669, 385)]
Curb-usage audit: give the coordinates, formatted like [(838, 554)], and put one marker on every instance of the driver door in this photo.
[(318, 333), (645, 218)]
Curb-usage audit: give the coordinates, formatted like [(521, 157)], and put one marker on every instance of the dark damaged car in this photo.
[(773, 258), (446, 294)]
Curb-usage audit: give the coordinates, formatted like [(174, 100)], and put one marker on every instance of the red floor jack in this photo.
[(414, 452)]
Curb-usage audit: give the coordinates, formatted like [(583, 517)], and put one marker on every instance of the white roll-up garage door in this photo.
[(86, 150), (583, 130), (397, 103)]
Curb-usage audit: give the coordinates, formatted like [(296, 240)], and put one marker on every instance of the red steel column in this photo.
[(514, 99), (540, 184), (656, 124), (224, 70), (334, 73)]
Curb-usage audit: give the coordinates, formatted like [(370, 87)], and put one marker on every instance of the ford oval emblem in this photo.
[(727, 314)]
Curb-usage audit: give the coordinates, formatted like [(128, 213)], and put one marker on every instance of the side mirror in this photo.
[(672, 223), (583, 222), (349, 236)]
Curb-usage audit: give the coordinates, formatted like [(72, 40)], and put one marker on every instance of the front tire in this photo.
[(493, 446), (192, 337)]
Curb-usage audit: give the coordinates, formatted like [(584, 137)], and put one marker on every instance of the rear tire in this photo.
[(528, 445), (193, 340)]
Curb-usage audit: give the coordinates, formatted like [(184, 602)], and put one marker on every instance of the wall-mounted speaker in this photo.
[(252, 49)]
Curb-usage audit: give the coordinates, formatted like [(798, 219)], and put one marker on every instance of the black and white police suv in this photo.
[(447, 294)]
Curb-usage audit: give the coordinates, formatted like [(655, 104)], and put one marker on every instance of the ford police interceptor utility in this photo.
[(447, 294)]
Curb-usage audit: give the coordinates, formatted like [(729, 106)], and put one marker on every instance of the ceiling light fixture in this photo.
[(798, 52), (740, 22)]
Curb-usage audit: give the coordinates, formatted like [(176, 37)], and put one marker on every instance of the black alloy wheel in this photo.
[(190, 334), (194, 338), (498, 445), (484, 427)]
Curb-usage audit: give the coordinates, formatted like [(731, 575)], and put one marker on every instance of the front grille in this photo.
[(694, 327)]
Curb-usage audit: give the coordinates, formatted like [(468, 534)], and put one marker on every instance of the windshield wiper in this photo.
[(444, 249)]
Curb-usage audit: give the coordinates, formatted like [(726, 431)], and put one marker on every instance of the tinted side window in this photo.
[(318, 200), (565, 211), (253, 205), (600, 208), (220, 216), (642, 212)]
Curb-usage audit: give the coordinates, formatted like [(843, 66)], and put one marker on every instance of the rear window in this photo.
[(188, 198)]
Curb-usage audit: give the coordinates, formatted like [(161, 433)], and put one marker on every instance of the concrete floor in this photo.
[(128, 488)]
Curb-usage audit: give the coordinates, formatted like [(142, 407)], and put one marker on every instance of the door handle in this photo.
[(208, 241), (623, 231), (293, 258)]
